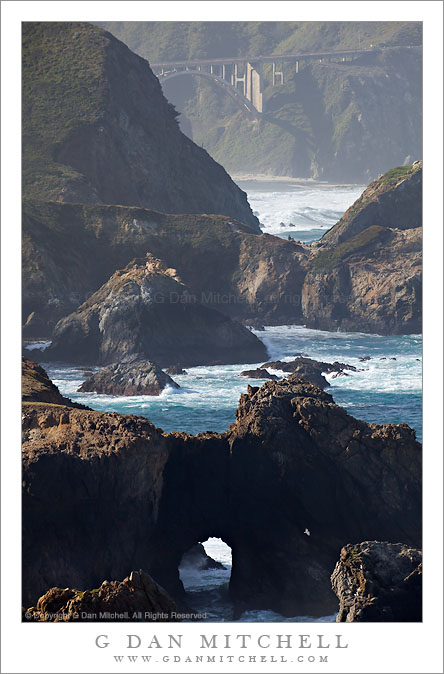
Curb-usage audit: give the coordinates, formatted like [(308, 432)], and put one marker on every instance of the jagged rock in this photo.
[(198, 558), (138, 598), (145, 311), (379, 582), (292, 460), (259, 373), (309, 369), (364, 358), (37, 387), (176, 369), (137, 378)]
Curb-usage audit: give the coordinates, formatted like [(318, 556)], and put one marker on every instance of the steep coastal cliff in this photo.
[(129, 496), (97, 129), (336, 121)]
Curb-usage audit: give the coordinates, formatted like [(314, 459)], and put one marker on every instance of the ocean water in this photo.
[(303, 212), (383, 391), (386, 389)]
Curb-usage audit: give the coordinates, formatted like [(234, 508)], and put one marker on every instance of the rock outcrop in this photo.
[(71, 250), (379, 582), (259, 373), (105, 493), (309, 369), (145, 312), (97, 129), (137, 378), (138, 598), (198, 559), (38, 388), (371, 283)]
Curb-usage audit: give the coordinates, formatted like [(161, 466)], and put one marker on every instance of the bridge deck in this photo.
[(279, 57)]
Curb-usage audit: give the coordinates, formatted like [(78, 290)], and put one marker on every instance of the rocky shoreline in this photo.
[(130, 496)]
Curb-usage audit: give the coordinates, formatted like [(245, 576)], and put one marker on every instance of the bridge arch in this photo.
[(235, 94)]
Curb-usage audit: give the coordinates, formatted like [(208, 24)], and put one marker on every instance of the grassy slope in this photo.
[(59, 76)]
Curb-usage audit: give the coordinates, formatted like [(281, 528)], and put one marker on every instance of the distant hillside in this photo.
[(161, 40), (97, 129), (342, 122)]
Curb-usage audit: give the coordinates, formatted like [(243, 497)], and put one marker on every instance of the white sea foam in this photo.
[(306, 208)]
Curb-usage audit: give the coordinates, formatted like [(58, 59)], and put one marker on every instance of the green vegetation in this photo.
[(328, 259), (63, 72), (394, 175), (167, 40)]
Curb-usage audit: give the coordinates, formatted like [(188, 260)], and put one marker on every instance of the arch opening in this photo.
[(232, 91), (205, 572)]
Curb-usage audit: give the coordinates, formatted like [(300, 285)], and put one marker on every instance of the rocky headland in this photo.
[(379, 582), (97, 129), (358, 277), (132, 497), (38, 388), (137, 378)]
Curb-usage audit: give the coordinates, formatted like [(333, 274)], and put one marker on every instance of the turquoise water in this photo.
[(383, 391), (386, 389)]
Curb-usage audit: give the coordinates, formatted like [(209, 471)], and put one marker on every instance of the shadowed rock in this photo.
[(309, 369), (105, 492), (378, 582), (259, 373), (198, 558), (139, 378)]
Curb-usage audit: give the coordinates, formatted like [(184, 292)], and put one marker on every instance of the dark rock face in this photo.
[(135, 599), (37, 387), (145, 311), (310, 370), (129, 496), (139, 378), (176, 369), (259, 373), (198, 558), (70, 250), (114, 138), (379, 582)]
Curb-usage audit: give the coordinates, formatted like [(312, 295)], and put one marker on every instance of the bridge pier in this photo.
[(277, 73), (253, 89)]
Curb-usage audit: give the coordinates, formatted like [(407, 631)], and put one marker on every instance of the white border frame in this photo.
[(372, 647)]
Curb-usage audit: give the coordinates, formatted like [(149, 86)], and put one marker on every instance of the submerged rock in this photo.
[(145, 311), (138, 598), (137, 378), (379, 582)]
